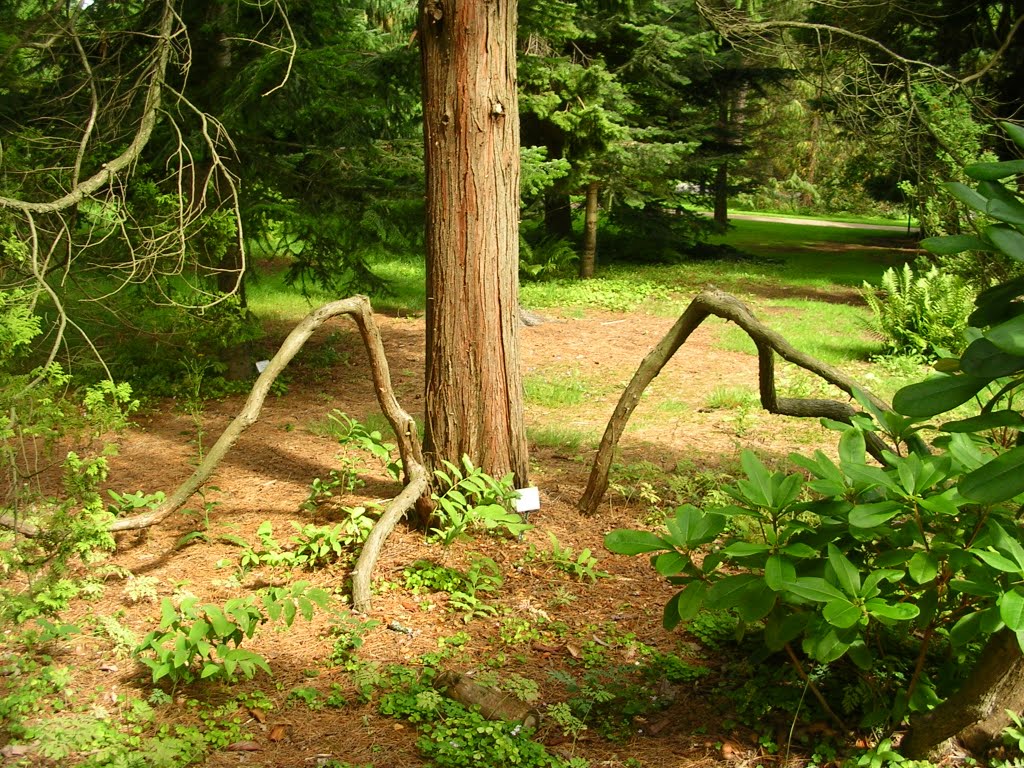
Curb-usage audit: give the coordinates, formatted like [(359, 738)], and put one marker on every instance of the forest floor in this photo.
[(682, 443)]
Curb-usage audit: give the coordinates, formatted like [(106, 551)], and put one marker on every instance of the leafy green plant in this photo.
[(74, 527), (607, 698), (322, 490), (139, 588), (455, 737), (549, 258), (464, 589), (582, 566), (348, 633), (473, 499), (923, 314), (350, 431), (201, 533), (882, 554), (312, 546), (426, 575), (482, 577), (1013, 734), (199, 641)]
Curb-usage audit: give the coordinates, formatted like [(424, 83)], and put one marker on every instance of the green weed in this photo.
[(555, 392), (561, 438), (582, 566)]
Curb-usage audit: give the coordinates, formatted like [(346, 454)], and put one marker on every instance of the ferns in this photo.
[(922, 314)]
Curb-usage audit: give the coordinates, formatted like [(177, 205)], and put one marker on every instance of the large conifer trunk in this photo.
[(471, 129)]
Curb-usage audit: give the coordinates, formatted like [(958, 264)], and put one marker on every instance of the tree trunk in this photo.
[(806, 199), (976, 714), (474, 401), (589, 258), (722, 195)]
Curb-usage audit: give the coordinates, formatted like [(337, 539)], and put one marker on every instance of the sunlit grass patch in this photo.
[(832, 333), (555, 391), (731, 398), (561, 438), (617, 289)]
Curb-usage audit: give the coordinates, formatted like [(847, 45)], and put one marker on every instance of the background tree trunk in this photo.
[(471, 129), (722, 196), (588, 260)]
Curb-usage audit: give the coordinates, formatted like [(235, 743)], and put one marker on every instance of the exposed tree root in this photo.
[(715, 302), (417, 487)]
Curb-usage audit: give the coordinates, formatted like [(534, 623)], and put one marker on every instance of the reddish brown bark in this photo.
[(471, 130)]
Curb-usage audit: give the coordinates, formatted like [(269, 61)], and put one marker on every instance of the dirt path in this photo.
[(680, 429), (824, 223)]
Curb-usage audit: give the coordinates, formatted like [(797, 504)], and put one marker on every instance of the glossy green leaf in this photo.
[(1009, 335), (1014, 131), (755, 601), (968, 196), (841, 613), (996, 560), (625, 541), (746, 549), (949, 245), (895, 611), (873, 515), (800, 550), (965, 630), (923, 567), (670, 617), (1000, 479), (994, 171), (873, 579), (966, 453), (783, 628), (946, 503), (976, 588), (814, 589), (778, 570), (846, 572), (861, 655), (1010, 211), (691, 599), (1011, 609), (824, 646), (691, 527), (984, 421), (729, 592), (937, 394), (869, 475), (1008, 240), (758, 486), (852, 446), (670, 563)]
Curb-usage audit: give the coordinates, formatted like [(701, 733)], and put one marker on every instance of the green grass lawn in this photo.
[(799, 279)]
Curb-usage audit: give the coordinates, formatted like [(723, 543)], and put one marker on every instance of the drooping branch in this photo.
[(404, 426), (769, 343), (358, 307), (110, 169)]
